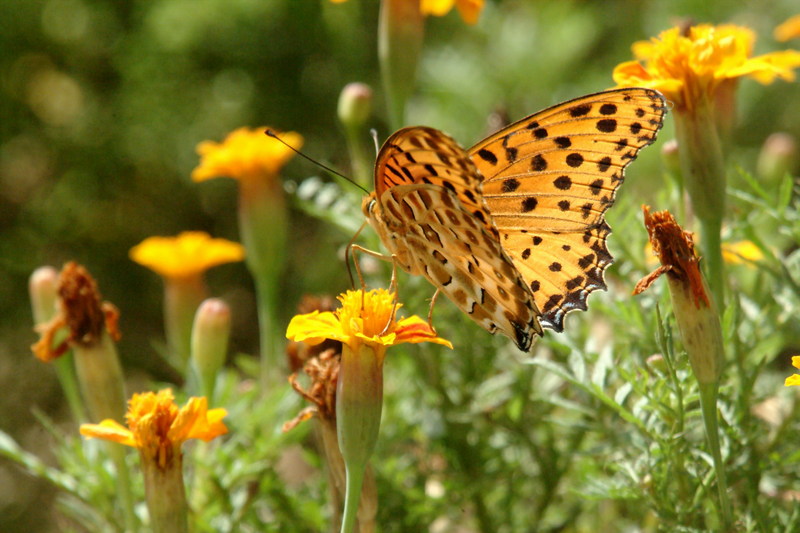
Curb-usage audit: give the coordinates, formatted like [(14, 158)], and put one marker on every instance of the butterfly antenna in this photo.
[(374, 133), (272, 134)]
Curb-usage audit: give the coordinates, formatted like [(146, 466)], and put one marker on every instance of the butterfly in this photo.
[(512, 230)]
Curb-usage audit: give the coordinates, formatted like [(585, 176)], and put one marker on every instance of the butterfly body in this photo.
[(513, 230)]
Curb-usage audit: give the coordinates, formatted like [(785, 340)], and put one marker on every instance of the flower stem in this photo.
[(65, 370), (352, 497), (117, 453), (708, 403), (712, 252), (263, 226), (400, 35)]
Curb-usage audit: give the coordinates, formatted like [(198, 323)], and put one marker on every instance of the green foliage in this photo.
[(598, 429)]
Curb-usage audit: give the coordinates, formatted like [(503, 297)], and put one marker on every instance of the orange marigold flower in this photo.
[(691, 65), (189, 254), (158, 428), (788, 30), (470, 10), (365, 318), (794, 379), (245, 154)]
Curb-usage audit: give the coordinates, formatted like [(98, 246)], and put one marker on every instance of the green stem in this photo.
[(712, 253), (352, 495), (360, 158), (268, 340), (400, 35), (708, 402), (117, 453), (65, 371), (263, 225)]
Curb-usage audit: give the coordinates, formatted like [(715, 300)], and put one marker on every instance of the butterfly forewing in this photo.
[(548, 180), (513, 230), (422, 155), (431, 217)]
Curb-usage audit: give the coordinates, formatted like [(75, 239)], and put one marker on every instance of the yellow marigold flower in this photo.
[(245, 154), (470, 10), (688, 66), (158, 428), (788, 30), (189, 254), (741, 252), (365, 318), (794, 379)]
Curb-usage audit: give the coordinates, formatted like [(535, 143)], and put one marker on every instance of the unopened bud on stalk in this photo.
[(355, 104), (210, 334), (778, 156), (43, 289)]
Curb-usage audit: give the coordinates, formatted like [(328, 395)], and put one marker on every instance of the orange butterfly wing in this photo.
[(513, 231), (548, 180), (429, 213)]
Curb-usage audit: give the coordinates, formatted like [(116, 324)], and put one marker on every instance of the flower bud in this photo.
[(778, 156), (355, 104), (210, 334), (43, 289)]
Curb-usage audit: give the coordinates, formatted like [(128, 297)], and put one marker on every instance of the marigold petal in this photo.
[(788, 30), (742, 252), (792, 381), (245, 154), (469, 10), (109, 430), (796, 361), (436, 7), (315, 327), (189, 254), (390, 339), (190, 418), (415, 330)]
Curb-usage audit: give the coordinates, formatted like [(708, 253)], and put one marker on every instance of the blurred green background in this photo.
[(102, 103)]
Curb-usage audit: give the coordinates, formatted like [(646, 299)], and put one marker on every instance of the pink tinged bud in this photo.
[(355, 104), (210, 335), (778, 157), (43, 289)]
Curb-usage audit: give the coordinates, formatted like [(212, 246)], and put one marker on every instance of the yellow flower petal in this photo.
[(796, 361), (688, 66), (189, 254), (742, 252), (792, 381), (366, 317), (158, 427), (109, 430), (469, 10), (414, 329), (245, 154), (315, 327), (789, 29)]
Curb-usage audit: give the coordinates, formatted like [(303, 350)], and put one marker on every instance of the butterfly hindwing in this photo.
[(450, 246), (548, 180)]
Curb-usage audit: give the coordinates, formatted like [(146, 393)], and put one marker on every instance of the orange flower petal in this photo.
[(189, 254), (109, 430)]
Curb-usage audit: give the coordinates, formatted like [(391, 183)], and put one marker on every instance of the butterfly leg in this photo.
[(430, 309), (383, 257), (350, 247)]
